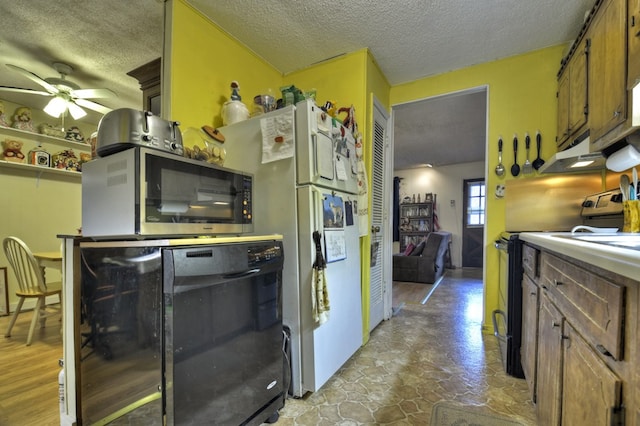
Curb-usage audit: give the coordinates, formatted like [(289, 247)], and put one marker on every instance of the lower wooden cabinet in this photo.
[(593, 393), (529, 343), (549, 371), (580, 350)]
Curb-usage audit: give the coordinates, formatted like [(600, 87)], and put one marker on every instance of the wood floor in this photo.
[(29, 374)]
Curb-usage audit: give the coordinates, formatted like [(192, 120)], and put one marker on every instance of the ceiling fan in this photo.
[(66, 94)]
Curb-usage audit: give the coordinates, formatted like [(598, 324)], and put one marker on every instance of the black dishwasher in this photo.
[(223, 333)]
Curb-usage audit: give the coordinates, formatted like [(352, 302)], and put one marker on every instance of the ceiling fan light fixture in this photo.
[(75, 111), (56, 107)]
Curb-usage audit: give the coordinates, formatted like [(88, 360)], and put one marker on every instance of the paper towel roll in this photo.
[(623, 159)]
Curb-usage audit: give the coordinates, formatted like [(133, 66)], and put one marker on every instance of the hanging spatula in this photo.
[(527, 167)]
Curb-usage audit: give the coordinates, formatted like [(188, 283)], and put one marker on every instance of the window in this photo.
[(476, 203)]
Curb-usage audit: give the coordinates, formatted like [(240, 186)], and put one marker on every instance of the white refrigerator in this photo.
[(304, 168)]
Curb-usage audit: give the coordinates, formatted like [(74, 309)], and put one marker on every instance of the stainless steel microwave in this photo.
[(146, 192)]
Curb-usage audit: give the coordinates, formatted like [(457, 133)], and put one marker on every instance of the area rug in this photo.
[(447, 414)]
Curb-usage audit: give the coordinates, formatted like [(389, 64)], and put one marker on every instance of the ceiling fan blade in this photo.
[(92, 106), (93, 93), (29, 91), (31, 76)]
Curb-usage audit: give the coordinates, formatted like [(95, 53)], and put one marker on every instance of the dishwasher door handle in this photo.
[(241, 274)]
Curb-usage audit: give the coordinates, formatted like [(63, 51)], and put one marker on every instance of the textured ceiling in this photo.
[(410, 39)]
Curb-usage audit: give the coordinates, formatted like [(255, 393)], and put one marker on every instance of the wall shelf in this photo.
[(39, 170)]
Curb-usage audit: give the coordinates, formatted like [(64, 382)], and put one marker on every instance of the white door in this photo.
[(381, 235)]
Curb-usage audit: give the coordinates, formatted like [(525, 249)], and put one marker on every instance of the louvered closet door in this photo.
[(380, 187)]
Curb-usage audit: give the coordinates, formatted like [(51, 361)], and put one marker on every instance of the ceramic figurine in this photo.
[(74, 134), (12, 151), (4, 122), (234, 110), (22, 119)]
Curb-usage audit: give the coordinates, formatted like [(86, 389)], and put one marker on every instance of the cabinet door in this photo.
[(633, 43), (578, 91), (563, 108), (607, 79), (597, 392), (549, 373), (529, 345)]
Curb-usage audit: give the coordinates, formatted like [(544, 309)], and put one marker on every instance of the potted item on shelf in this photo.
[(39, 156), (12, 151), (22, 119)]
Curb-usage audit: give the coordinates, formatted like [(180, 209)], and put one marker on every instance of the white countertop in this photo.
[(623, 261)]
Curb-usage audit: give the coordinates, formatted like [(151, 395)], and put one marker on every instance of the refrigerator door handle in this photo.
[(316, 200)]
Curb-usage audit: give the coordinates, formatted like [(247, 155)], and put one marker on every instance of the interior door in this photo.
[(381, 229), (474, 196)]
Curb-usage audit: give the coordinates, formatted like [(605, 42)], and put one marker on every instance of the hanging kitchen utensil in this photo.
[(527, 168), (634, 177), (500, 167), (538, 162), (515, 169)]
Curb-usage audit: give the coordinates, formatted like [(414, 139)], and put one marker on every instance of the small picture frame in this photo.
[(4, 293)]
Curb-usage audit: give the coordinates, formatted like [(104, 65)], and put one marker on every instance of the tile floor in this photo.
[(424, 354)]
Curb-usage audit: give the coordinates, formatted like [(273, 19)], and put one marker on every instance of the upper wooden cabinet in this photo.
[(573, 102), (633, 43), (148, 75), (607, 68)]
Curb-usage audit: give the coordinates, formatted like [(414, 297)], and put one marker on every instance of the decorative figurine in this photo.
[(234, 110), (22, 119), (235, 91), (13, 151), (74, 134), (4, 122)]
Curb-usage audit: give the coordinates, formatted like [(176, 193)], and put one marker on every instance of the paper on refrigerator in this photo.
[(277, 138)]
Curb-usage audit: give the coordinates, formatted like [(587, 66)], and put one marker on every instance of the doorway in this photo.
[(474, 197)]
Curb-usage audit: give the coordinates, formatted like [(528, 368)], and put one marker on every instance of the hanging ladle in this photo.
[(515, 169), (500, 167)]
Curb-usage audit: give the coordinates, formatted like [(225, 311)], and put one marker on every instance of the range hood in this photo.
[(578, 158)]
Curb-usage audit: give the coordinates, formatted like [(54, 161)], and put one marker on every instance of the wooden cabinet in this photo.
[(33, 140), (593, 393), (530, 302), (148, 75), (529, 343), (585, 371), (573, 103), (633, 43), (549, 372), (416, 221), (607, 68)]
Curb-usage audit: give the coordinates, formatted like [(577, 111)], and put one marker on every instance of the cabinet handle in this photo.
[(603, 350), (557, 283), (616, 114), (554, 324), (533, 293)]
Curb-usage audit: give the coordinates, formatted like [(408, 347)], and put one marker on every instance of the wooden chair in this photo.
[(31, 284)]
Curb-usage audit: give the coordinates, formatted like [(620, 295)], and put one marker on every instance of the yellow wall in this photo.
[(522, 98), (204, 61)]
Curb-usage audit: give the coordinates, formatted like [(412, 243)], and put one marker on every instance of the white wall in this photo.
[(446, 183)]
